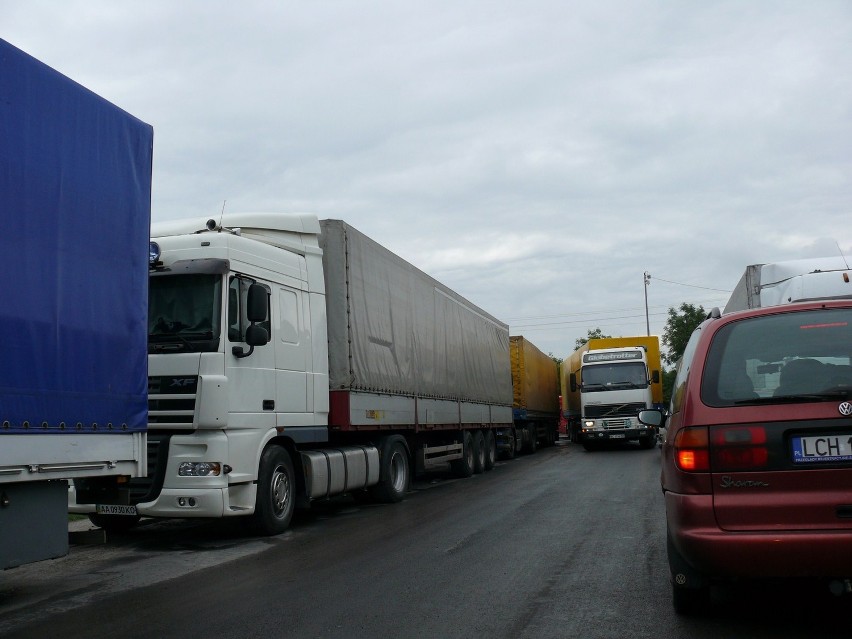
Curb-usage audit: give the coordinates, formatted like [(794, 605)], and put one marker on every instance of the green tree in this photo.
[(592, 334), (679, 327)]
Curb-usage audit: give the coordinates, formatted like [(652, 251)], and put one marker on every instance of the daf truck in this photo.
[(606, 383), (292, 359), (75, 205)]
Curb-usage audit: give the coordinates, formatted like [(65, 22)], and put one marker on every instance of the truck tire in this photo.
[(395, 472), (532, 433), (114, 523), (490, 450), (510, 450), (478, 452), (276, 488), (519, 441), (648, 442), (464, 467)]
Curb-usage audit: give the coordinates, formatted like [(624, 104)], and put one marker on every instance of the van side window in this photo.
[(685, 363)]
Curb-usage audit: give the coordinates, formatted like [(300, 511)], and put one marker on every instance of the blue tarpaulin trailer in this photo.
[(75, 208)]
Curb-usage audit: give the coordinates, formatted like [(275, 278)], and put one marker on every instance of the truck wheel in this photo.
[(396, 472), (276, 483), (490, 450), (532, 444), (647, 442), (464, 467), (519, 441), (478, 452), (114, 523)]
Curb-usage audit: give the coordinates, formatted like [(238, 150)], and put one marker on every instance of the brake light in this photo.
[(739, 448), (691, 450)]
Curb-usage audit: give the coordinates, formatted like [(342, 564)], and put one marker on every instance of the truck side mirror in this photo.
[(572, 380), (257, 304), (256, 311), (655, 377)]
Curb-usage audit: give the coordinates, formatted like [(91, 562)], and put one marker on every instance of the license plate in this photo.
[(616, 435), (108, 509), (822, 449)]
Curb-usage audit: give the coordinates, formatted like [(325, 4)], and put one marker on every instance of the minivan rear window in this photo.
[(783, 358)]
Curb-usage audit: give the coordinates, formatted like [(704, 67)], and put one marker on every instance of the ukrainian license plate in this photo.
[(822, 449), (109, 509), (616, 435)]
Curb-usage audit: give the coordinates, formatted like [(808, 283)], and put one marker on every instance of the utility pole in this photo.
[(647, 321)]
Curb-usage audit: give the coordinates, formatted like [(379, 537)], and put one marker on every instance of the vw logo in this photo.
[(845, 409)]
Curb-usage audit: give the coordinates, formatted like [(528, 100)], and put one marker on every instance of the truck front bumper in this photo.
[(589, 435)]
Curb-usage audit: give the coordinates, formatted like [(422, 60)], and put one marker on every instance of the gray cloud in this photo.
[(537, 157)]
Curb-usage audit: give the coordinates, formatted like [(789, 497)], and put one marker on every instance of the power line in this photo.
[(706, 288)]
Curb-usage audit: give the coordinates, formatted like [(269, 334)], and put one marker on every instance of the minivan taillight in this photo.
[(691, 449), (739, 448)]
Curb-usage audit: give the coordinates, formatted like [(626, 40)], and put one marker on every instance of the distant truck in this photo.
[(293, 359), (75, 204), (535, 400), (605, 383), (791, 281)]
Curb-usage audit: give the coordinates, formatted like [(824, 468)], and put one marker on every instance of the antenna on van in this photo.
[(840, 250), (222, 214)]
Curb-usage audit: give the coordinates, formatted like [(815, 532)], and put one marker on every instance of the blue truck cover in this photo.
[(75, 206)]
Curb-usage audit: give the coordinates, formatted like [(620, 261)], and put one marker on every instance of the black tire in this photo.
[(490, 450), (690, 601), (519, 441), (276, 492), (464, 467), (590, 447), (647, 442), (395, 472), (114, 523), (532, 444), (478, 452), (690, 588), (511, 449)]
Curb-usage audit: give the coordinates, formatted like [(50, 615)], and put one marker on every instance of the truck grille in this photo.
[(171, 400), (605, 411)]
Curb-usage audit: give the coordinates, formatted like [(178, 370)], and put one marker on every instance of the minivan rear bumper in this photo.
[(755, 554)]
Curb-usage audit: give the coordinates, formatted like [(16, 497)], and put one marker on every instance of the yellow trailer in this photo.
[(535, 405)]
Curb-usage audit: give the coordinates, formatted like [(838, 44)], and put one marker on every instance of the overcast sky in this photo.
[(537, 157)]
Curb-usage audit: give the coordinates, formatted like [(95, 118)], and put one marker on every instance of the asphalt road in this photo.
[(562, 543)]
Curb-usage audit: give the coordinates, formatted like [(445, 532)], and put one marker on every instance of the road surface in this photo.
[(562, 543)]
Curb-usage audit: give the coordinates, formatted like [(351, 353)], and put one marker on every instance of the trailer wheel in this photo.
[(395, 471), (276, 483), (478, 452), (532, 444), (464, 467), (519, 441), (114, 523), (490, 450)]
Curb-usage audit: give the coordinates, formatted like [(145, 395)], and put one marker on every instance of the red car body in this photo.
[(757, 460)]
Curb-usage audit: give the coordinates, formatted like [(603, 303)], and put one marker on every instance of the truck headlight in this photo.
[(590, 424), (199, 469)]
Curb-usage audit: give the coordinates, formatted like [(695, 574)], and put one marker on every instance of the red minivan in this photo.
[(757, 460)]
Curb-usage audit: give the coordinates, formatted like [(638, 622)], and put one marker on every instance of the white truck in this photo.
[(791, 281), (293, 359), (605, 384), (73, 378)]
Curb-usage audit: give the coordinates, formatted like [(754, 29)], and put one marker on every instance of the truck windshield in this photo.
[(615, 376), (184, 312), (800, 356)]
